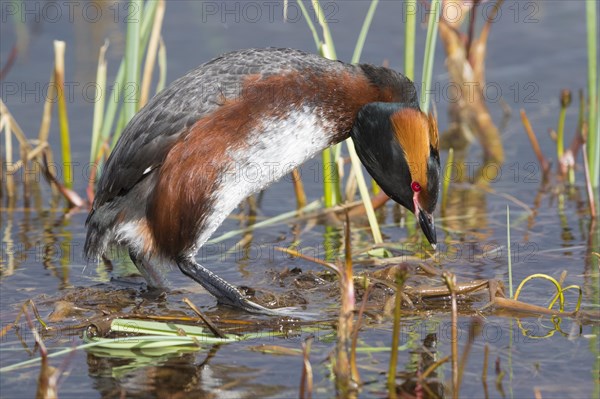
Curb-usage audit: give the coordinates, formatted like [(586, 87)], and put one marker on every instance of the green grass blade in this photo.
[(132, 63), (155, 328), (446, 182), (560, 133), (265, 223), (593, 145), (328, 46), (151, 51), (510, 279), (37, 360), (432, 30), (146, 26), (113, 103), (63, 117), (99, 104), (121, 123), (162, 66), (329, 197), (360, 42), (331, 183), (410, 10), (118, 86), (311, 26), (364, 193)]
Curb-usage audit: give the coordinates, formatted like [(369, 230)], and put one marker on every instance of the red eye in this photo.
[(416, 187)]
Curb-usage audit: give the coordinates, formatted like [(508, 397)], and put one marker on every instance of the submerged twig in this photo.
[(306, 380), (211, 326), (401, 275), (474, 330), (355, 374), (534, 143), (450, 280), (71, 196), (484, 370), (48, 377), (433, 367), (299, 189), (344, 371), (318, 261), (12, 56)]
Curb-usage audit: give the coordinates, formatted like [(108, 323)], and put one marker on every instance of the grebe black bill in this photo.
[(177, 170)]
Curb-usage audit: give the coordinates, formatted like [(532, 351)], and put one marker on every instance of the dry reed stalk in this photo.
[(298, 189), (469, 115), (306, 380), (152, 52), (450, 280), (534, 143)]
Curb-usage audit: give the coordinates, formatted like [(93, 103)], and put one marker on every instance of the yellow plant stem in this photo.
[(63, 118)]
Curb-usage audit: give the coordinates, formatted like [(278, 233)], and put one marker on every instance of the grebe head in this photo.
[(399, 146)]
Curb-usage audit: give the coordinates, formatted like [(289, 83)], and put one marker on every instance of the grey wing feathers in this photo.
[(149, 136)]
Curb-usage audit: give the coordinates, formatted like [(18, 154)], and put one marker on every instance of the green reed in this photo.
[(100, 103), (63, 117), (432, 29), (593, 141), (410, 10), (123, 100), (132, 63)]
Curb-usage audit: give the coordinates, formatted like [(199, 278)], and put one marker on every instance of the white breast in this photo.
[(277, 147)]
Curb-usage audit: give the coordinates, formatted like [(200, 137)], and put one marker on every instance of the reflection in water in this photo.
[(43, 238), (465, 214), (177, 375), (332, 243), (245, 243), (7, 261), (421, 359)]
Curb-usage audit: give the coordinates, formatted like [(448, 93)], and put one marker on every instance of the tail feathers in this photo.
[(93, 247), (100, 230), (95, 243)]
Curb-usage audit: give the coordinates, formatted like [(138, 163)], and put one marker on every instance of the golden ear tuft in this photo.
[(434, 138), (412, 132)]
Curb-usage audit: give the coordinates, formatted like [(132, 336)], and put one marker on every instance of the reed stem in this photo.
[(510, 279), (151, 54), (593, 139), (410, 10), (432, 29), (328, 46), (401, 274), (99, 104), (360, 42), (565, 101), (132, 67), (63, 117)]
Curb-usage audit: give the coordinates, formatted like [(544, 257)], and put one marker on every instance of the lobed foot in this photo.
[(225, 293)]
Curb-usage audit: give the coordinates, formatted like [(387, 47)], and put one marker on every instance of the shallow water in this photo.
[(535, 49)]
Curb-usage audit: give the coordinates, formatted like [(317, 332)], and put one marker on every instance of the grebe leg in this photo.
[(150, 272), (225, 293)]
